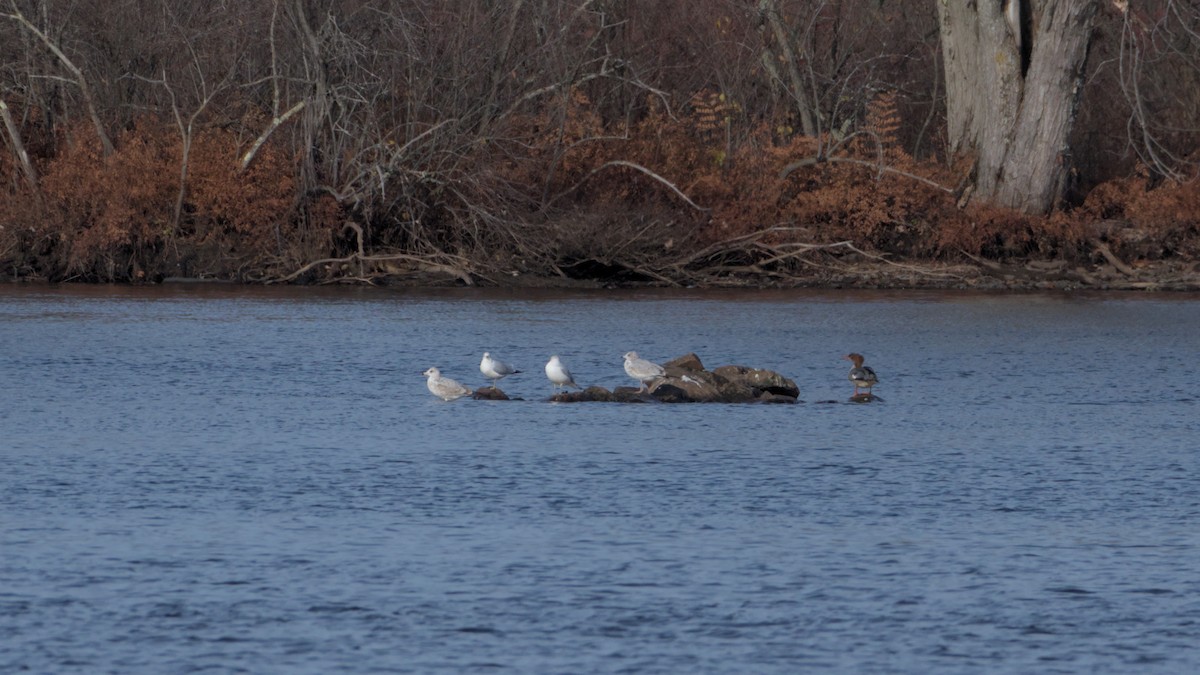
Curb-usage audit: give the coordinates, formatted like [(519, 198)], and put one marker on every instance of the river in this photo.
[(257, 480)]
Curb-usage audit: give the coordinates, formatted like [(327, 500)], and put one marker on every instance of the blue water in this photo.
[(257, 480)]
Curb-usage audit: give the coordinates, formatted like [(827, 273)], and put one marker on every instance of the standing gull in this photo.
[(494, 369), (444, 387), (558, 374), (862, 376), (642, 370)]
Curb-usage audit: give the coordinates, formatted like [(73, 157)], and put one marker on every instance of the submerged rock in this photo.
[(594, 393), (490, 394), (767, 397), (866, 397)]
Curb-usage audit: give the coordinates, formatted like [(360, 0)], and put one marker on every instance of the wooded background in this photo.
[(317, 139)]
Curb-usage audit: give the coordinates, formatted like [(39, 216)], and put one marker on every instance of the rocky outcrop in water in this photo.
[(490, 394), (687, 381)]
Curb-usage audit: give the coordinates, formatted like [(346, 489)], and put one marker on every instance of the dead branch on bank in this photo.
[(1112, 258), (1027, 273), (441, 263), (878, 166), (754, 258), (635, 166), (772, 259), (435, 264)]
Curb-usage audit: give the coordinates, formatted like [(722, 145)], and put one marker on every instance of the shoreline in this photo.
[(978, 274), (972, 275)]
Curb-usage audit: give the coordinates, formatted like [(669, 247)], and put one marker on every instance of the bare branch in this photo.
[(258, 143), (80, 80), (14, 136), (882, 168), (423, 263), (637, 167)]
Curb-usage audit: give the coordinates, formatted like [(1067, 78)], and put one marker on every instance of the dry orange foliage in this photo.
[(565, 176), (115, 219), (862, 196), (1167, 212)]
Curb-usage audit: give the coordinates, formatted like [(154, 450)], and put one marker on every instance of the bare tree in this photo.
[(278, 118), (76, 72), (795, 80), (1159, 61)]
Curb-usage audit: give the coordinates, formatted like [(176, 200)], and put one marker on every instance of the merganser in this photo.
[(862, 376), (444, 387), (558, 374), (642, 370), (494, 369)]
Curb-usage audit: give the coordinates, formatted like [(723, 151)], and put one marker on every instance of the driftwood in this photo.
[(1052, 274), (1113, 259), (766, 255), (749, 259), (422, 263)]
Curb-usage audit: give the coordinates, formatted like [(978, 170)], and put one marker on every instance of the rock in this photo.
[(694, 386), (687, 381), (687, 363), (490, 394), (865, 398), (672, 390), (593, 393), (763, 380), (629, 395)]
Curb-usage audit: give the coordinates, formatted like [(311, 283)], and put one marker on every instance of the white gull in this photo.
[(558, 374), (642, 370), (444, 387), (495, 369)]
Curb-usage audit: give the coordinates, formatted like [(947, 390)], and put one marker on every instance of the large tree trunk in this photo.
[(1013, 73)]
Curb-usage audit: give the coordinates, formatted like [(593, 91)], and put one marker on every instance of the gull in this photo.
[(444, 387), (558, 374), (862, 376), (494, 369), (642, 370)]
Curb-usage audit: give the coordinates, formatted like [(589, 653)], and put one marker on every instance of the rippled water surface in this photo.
[(257, 480)]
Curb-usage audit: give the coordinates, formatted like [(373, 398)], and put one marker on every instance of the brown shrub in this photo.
[(1167, 213), (114, 219)]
